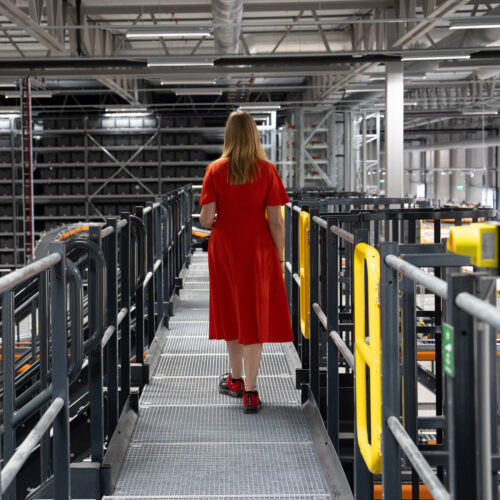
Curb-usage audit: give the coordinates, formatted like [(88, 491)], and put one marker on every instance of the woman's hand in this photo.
[(207, 215)]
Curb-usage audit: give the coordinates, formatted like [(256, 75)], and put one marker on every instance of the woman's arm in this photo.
[(277, 228), (207, 215)]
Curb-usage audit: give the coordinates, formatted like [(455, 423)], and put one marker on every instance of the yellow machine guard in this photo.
[(304, 267), (368, 354)]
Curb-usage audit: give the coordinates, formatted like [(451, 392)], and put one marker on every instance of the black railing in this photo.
[(96, 305)]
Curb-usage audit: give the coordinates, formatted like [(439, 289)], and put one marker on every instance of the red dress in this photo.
[(247, 293)]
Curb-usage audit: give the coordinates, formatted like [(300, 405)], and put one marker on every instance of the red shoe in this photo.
[(251, 402), (233, 387)]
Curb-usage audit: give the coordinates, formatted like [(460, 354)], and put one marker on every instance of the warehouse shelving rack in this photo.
[(88, 167), (312, 149)]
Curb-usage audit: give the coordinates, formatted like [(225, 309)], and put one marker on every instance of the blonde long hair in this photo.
[(242, 147)]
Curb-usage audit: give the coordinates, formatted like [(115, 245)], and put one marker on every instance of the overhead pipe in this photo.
[(227, 16), (474, 144)]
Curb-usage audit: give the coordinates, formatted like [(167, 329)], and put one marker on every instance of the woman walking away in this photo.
[(248, 304)]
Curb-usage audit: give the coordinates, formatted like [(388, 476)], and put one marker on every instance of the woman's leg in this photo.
[(235, 351), (251, 357)]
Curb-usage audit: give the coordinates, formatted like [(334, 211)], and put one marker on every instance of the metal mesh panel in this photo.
[(221, 469), (188, 328), (203, 392), (211, 366), (197, 345), (285, 424), (288, 496), (190, 314), (196, 285)]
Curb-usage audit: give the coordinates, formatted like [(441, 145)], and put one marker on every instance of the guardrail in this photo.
[(91, 302), (365, 317)]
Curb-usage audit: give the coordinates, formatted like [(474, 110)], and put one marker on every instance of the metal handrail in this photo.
[(25, 449), (478, 309), (435, 285), (342, 346), (424, 470), (36, 267), (345, 235)]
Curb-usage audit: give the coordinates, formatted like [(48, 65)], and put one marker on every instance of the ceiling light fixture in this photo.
[(354, 90), (259, 107), (480, 112), (476, 23), (168, 34), (130, 114), (435, 57), (121, 109), (198, 92), (5, 85), (34, 94), (188, 82), (179, 62)]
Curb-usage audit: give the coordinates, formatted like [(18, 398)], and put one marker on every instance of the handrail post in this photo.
[(295, 300), (9, 438), (95, 360), (125, 288), (111, 254), (332, 395), (288, 253), (409, 352), (139, 296), (167, 264), (363, 480), (61, 450), (314, 378), (460, 397), (150, 288), (43, 332), (390, 371), (158, 255)]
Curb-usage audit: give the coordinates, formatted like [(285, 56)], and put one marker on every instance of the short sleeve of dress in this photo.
[(207, 190), (276, 194)]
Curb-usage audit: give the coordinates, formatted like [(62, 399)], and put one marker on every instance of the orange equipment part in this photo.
[(406, 492)]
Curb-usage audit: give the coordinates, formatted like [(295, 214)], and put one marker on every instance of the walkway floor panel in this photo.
[(193, 443)]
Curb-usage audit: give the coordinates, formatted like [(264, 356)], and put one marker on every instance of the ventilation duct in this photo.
[(227, 15)]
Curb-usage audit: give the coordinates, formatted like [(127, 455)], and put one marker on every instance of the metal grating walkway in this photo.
[(193, 443)]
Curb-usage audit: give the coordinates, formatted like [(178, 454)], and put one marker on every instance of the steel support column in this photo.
[(300, 148), (394, 124)]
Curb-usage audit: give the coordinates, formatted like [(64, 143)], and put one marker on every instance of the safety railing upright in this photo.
[(340, 345), (78, 382), (465, 455)]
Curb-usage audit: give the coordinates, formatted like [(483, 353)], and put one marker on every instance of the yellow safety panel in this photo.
[(479, 241), (304, 268), (368, 353)]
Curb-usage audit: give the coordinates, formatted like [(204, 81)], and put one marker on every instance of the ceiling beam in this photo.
[(188, 8), (54, 41)]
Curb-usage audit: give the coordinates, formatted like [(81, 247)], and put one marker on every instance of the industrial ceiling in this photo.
[(216, 55)]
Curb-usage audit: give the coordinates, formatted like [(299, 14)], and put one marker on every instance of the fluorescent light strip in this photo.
[(198, 92), (169, 34), (125, 115), (125, 110), (35, 94), (435, 57), (367, 89), (188, 82), (479, 113), (263, 107), (470, 25), (179, 63)]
